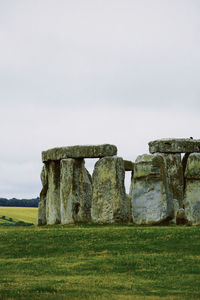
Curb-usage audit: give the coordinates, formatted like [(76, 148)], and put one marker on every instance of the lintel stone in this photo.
[(174, 146), (128, 165), (87, 151)]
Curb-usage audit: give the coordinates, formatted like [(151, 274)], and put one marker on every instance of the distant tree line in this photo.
[(20, 202)]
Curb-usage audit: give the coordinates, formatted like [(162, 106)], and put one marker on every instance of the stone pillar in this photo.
[(43, 195), (149, 190), (109, 197), (129, 208), (157, 188), (175, 181), (191, 201), (75, 191), (53, 193)]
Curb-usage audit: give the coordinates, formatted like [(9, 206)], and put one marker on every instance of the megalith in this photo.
[(53, 193), (109, 197), (84, 151), (175, 180), (75, 191), (129, 208), (191, 202), (67, 185), (174, 145), (149, 190), (43, 196)]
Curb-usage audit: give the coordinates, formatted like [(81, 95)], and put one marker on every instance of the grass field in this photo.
[(25, 214), (99, 262)]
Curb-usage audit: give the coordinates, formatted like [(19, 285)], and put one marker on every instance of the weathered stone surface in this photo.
[(193, 166), (129, 208), (143, 158), (148, 190), (109, 197), (43, 195), (53, 193), (89, 151), (175, 181), (191, 200), (174, 146), (128, 165), (75, 191), (156, 188)]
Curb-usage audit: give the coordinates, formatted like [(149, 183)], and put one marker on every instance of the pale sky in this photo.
[(91, 72)]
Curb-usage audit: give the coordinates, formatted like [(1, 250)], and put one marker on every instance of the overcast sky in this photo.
[(89, 72)]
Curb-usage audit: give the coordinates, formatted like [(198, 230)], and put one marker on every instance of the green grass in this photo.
[(23, 214), (99, 262)]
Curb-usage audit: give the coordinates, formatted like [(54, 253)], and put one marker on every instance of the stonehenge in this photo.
[(164, 189)]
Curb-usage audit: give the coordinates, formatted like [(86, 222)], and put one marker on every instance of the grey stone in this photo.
[(89, 151), (109, 197), (193, 166), (43, 195), (156, 188), (191, 200), (75, 191), (129, 208), (128, 165), (174, 146), (174, 208), (53, 193), (175, 180), (149, 190), (143, 158)]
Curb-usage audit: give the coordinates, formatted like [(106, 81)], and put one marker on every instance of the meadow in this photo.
[(18, 214), (98, 261)]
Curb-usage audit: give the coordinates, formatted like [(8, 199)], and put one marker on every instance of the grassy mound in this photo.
[(99, 262)]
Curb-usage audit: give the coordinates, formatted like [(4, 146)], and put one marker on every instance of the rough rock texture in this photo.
[(75, 191), (156, 188), (174, 146), (43, 195), (129, 208), (148, 190), (128, 165), (175, 180), (53, 193), (109, 197), (97, 151), (191, 200)]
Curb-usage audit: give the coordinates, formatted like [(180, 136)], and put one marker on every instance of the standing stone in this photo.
[(109, 197), (191, 200), (75, 191), (149, 190), (157, 188), (43, 195), (53, 193), (175, 180), (129, 208)]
